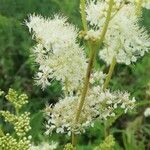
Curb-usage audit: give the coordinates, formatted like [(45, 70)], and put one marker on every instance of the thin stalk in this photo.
[(139, 7), (84, 92), (108, 18), (111, 68), (17, 111), (110, 72), (83, 14), (66, 86), (106, 83), (91, 60), (113, 64)]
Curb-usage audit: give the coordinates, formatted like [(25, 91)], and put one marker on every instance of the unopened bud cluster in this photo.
[(107, 144), (7, 142), (17, 100), (69, 146), (20, 122)]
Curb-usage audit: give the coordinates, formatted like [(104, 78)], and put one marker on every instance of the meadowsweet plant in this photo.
[(20, 121), (111, 31)]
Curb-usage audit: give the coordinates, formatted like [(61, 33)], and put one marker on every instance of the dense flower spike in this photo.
[(56, 52), (98, 104)]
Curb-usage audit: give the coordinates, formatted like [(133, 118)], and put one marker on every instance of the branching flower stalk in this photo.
[(113, 63), (60, 57), (111, 69), (92, 56), (110, 72)]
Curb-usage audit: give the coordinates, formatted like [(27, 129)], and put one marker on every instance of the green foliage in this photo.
[(129, 135)]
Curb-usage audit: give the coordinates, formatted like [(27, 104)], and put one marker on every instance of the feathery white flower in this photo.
[(54, 34), (98, 104), (57, 52)]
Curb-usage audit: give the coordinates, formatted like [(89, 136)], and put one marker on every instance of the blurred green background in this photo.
[(17, 71)]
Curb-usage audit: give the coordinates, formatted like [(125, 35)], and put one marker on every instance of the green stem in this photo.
[(84, 91), (108, 18), (143, 103), (110, 72), (112, 67), (17, 111), (66, 86), (83, 15), (91, 60), (139, 7)]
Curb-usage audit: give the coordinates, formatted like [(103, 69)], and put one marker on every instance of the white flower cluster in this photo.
[(44, 146), (125, 40), (147, 112), (98, 104), (57, 52)]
